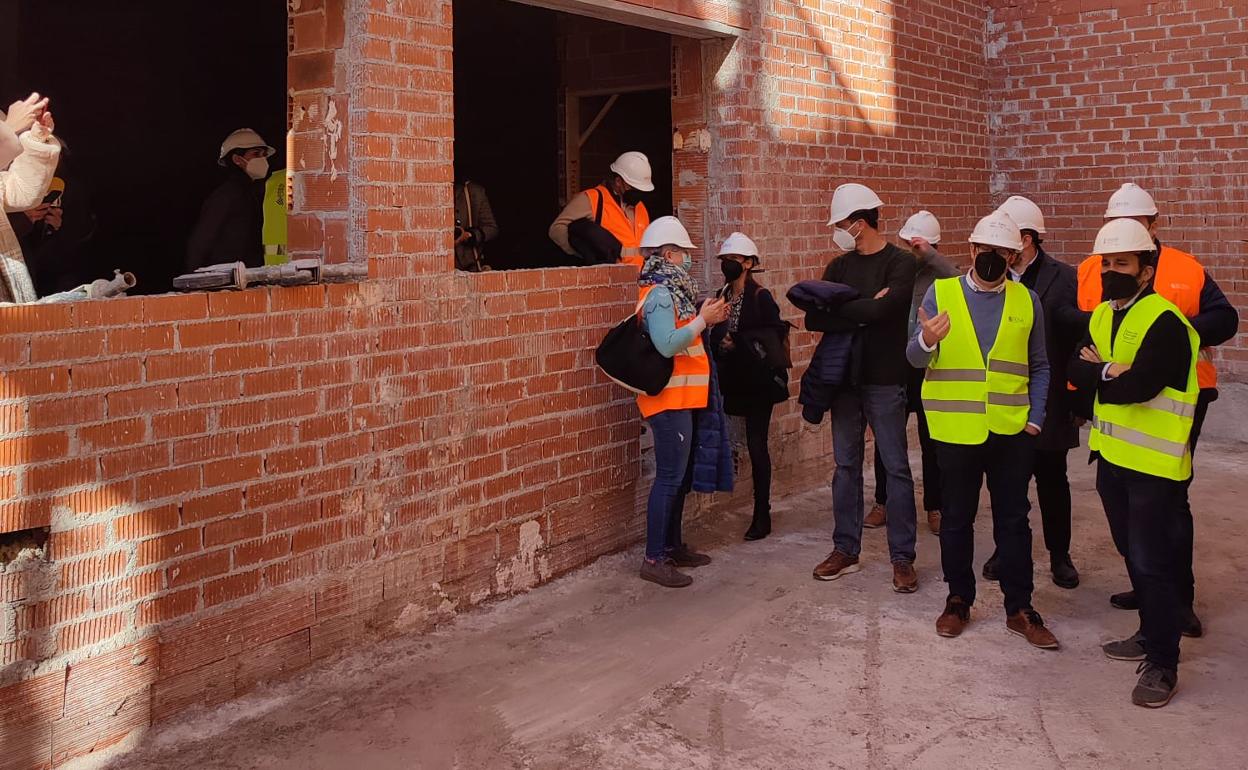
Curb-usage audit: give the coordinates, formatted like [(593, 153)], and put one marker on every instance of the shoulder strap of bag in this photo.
[(598, 208)]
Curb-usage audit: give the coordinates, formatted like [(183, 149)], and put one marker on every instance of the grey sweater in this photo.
[(985, 308)]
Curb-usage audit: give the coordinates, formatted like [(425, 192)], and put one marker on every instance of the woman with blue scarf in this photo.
[(691, 449)]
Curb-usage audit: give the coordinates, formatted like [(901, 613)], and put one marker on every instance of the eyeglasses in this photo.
[(1003, 253)]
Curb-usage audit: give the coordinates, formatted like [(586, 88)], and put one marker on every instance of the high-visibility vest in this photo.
[(274, 231), (616, 222), (1152, 437), (1180, 279), (964, 398), (689, 387)]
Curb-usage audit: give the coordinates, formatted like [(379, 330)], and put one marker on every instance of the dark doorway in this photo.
[(143, 93), (640, 120)]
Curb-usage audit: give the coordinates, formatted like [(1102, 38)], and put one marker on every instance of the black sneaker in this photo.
[(1124, 601), (990, 568), (1156, 686), (1192, 627), (1064, 573), (684, 556), (1131, 648), (664, 573)]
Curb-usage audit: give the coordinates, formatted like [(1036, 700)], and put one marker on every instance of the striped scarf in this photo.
[(657, 271)]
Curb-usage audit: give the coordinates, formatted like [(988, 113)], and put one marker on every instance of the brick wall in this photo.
[(1092, 94)]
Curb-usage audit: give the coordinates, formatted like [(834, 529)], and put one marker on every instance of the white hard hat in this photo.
[(849, 198), (997, 229), (666, 231), (243, 139), (923, 224), (1120, 236), (1024, 213), (1130, 200), (738, 243), (634, 168)]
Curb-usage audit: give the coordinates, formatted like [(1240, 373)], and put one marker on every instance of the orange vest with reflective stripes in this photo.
[(689, 387), (1180, 279), (616, 222)]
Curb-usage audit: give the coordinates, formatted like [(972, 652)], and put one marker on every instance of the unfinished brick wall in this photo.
[(1089, 95)]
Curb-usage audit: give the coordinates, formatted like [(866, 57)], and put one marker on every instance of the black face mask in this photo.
[(989, 266), (732, 270), (1118, 286), (633, 197)]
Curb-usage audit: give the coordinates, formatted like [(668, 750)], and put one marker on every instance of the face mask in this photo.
[(686, 261), (989, 266), (257, 168), (1118, 286), (845, 239), (633, 197), (732, 270)]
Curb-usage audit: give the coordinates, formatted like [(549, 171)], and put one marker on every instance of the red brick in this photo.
[(111, 435), (154, 521), (33, 449), (232, 530), (166, 547), (230, 588), (197, 568), (107, 374), (232, 471), (169, 483), (167, 607), (216, 505)]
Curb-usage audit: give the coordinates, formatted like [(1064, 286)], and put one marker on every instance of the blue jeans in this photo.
[(883, 407), (673, 478)]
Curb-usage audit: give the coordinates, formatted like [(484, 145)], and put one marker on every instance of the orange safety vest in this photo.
[(616, 222), (1180, 279), (690, 385)]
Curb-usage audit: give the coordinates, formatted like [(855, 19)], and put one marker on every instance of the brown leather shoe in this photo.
[(875, 517), (836, 565), (1029, 625), (933, 522), (905, 579), (955, 618)]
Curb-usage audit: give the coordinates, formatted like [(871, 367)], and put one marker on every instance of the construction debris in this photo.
[(299, 272)]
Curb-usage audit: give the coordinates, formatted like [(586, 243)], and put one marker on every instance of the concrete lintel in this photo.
[(638, 16)]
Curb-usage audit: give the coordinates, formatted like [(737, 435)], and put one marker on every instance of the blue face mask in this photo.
[(686, 262)]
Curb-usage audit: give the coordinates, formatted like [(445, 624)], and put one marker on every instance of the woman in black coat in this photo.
[(750, 352)]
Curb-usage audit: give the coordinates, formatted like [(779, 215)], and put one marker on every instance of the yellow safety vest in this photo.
[(964, 399), (1152, 437), (274, 232)]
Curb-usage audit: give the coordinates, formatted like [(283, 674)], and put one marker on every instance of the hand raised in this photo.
[(935, 328)]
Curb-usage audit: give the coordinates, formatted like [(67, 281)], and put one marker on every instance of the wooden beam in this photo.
[(598, 119), (638, 16)]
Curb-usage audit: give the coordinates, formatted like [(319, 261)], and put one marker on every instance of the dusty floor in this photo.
[(759, 666)]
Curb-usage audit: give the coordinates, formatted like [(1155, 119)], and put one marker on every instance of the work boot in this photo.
[(664, 573), (1064, 573), (933, 522), (1131, 648), (1156, 686), (955, 618), (1029, 625), (836, 565), (905, 579), (990, 568), (876, 517), (684, 556), (1125, 601), (760, 526), (1192, 627)]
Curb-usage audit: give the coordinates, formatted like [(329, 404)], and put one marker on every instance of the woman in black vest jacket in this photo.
[(751, 353)]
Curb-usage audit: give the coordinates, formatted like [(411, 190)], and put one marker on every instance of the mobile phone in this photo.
[(725, 292), (52, 198)]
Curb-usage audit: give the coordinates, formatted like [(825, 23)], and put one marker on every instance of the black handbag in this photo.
[(592, 242), (628, 356)]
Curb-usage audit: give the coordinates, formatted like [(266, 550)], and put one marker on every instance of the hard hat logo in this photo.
[(1120, 236), (997, 230), (634, 168), (1131, 200)]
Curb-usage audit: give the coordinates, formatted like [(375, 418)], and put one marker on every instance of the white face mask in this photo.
[(257, 168), (844, 239)]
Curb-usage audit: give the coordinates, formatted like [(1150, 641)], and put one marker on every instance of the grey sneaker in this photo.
[(1131, 648), (664, 573), (1156, 686)]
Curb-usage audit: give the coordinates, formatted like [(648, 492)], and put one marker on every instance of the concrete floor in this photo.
[(759, 666)]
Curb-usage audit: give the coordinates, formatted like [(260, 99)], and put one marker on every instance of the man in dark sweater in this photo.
[(876, 393)]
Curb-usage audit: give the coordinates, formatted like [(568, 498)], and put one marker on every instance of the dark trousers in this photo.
[(673, 478), (1007, 463), (1143, 510), (757, 425), (1053, 495), (931, 470), (1185, 527)]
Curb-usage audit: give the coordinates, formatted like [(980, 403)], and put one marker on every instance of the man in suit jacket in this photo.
[(1056, 284)]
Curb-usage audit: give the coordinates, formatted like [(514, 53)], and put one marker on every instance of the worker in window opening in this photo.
[(1181, 280), (23, 186), (623, 215), (753, 364), (474, 226), (669, 311), (1139, 360), (981, 339), (231, 222), (921, 233), (1055, 284)]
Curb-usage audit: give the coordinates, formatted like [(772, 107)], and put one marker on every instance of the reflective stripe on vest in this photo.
[(1151, 437), (615, 221), (1180, 279), (689, 386), (963, 398)]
